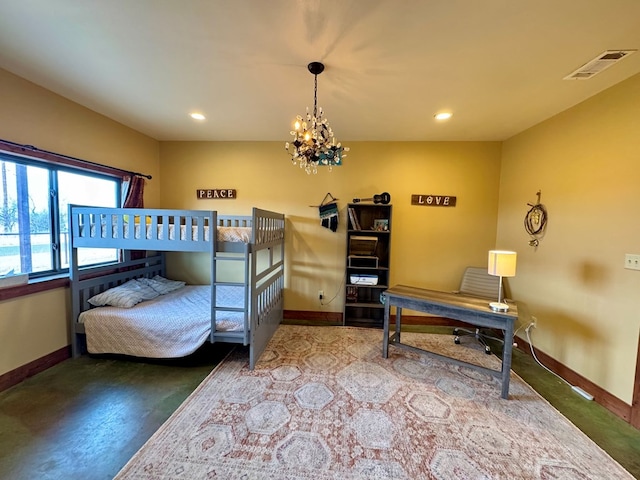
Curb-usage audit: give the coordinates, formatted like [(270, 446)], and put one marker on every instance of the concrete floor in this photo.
[(85, 417)]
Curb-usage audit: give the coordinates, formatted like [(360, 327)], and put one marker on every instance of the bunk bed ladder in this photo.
[(245, 284)]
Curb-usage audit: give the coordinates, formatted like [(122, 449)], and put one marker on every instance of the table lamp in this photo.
[(502, 263)]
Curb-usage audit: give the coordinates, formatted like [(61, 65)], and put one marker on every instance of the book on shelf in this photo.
[(354, 218)]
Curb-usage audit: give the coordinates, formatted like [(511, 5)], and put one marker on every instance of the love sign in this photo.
[(430, 200)]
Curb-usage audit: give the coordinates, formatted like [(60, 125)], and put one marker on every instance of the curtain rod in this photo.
[(87, 162)]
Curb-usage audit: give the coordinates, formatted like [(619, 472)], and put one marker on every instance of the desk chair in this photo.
[(477, 282)]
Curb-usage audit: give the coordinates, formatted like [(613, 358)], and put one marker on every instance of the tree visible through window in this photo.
[(34, 198)]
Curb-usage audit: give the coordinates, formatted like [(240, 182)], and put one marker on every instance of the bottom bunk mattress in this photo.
[(168, 326)]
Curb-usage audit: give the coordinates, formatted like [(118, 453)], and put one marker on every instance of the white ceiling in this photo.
[(390, 64)]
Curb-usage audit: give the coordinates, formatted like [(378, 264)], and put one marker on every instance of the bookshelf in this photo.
[(367, 263)]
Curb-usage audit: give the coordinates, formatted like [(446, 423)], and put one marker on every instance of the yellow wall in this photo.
[(584, 161), (430, 245), (36, 325)]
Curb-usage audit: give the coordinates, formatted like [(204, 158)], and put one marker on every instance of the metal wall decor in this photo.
[(535, 222)]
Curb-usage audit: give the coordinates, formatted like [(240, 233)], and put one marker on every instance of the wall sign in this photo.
[(215, 193), (433, 200)]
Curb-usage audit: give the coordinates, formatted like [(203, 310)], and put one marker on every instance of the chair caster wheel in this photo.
[(456, 341), (487, 350)]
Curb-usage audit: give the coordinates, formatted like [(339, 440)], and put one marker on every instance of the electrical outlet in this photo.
[(532, 324), (320, 294), (631, 261)]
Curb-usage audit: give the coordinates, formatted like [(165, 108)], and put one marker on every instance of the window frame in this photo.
[(57, 277)]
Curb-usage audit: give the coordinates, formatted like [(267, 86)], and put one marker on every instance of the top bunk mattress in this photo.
[(172, 230), (149, 232)]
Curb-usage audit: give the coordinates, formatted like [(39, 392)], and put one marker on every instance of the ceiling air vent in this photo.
[(598, 64)]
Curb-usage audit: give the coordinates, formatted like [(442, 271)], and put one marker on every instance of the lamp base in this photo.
[(499, 306)]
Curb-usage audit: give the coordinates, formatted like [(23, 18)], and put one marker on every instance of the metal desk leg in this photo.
[(385, 338), (506, 359)]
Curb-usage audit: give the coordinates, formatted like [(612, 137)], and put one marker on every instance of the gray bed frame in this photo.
[(99, 227)]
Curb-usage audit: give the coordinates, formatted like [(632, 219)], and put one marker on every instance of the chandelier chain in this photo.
[(315, 96)]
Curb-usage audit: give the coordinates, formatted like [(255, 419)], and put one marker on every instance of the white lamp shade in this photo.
[(502, 263)]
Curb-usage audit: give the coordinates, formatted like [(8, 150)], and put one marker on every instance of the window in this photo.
[(34, 198)]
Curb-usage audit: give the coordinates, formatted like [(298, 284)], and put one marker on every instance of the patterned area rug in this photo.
[(323, 404)]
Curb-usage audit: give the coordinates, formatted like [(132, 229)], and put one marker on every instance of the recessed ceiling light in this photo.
[(443, 116), (197, 116)]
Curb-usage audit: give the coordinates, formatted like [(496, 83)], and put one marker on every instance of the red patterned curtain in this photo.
[(133, 194)]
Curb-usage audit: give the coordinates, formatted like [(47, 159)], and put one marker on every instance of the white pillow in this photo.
[(126, 295), (162, 285), (145, 290)]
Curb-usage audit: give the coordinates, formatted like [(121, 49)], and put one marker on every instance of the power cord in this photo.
[(344, 278), (575, 388), (515, 344)]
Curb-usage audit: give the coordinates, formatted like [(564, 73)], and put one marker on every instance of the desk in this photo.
[(474, 311)]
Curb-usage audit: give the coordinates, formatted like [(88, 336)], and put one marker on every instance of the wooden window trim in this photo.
[(35, 286)]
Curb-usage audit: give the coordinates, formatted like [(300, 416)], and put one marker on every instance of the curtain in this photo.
[(133, 192), (133, 197)]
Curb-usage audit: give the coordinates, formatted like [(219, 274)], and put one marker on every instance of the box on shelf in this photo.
[(362, 261), (362, 246)]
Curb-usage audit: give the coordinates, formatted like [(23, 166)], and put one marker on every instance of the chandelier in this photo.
[(313, 142)]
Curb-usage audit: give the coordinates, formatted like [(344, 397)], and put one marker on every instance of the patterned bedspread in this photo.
[(169, 326)]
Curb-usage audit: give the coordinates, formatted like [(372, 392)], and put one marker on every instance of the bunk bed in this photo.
[(256, 241)]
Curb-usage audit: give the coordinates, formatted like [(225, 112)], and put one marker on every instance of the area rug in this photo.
[(323, 404)]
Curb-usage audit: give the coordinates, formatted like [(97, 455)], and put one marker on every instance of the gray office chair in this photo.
[(476, 282)]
